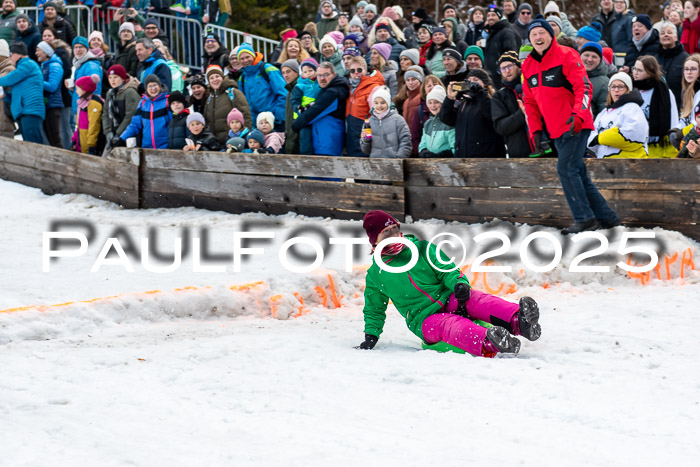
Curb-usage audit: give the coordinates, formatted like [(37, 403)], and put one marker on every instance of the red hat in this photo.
[(119, 71), (88, 83), (608, 55), (376, 221)]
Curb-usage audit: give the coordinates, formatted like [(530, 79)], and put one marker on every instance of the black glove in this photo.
[(537, 140), (426, 154), (474, 88), (117, 142), (462, 293), (369, 343), (594, 141)]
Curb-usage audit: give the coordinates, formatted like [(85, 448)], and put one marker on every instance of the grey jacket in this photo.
[(390, 137)]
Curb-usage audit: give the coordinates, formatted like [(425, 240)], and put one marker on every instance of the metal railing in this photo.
[(232, 38), (186, 36), (79, 15)]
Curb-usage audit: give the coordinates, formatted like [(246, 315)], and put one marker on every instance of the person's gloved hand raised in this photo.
[(462, 293), (369, 343)]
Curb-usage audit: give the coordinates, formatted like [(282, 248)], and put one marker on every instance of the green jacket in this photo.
[(416, 294), (437, 137), (8, 27)]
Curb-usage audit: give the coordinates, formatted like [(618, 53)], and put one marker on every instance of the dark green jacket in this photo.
[(418, 293), (291, 137)]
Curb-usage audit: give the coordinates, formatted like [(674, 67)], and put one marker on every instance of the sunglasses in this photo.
[(356, 70), (526, 13)]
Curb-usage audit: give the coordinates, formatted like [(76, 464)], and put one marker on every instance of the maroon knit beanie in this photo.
[(376, 221), (119, 71)]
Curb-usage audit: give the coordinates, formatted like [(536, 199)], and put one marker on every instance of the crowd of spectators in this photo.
[(368, 83)]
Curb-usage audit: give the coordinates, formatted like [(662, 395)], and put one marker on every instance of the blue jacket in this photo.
[(88, 68), (327, 118), (621, 32), (264, 94), (27, 85), (156, 65), (52, 70), (151, 120)]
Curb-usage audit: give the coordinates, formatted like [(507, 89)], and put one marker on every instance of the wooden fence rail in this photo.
[(651, 192)]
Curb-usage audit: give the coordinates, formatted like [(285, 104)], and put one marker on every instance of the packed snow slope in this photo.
[(257, 366)]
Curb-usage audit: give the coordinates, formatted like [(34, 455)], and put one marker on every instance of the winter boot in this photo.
[(528, 318), (502, 340)]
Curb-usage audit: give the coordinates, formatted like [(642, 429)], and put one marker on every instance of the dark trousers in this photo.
[(585, 201), (31, 128), (52, 127)]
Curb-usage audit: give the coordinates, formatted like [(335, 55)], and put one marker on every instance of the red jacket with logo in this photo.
[(555, 87)]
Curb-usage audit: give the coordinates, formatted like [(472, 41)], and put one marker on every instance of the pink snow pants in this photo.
[(463, 332)]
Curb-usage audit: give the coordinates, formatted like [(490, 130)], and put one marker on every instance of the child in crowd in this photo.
[(236, 144), (255, 141), (88, 137), (387, 134), (177, 131), (236, 124), (202, 139), (274, 141), (303, 95), (438, 138), (690, 144)]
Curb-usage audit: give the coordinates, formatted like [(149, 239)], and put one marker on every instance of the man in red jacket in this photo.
[(557, 89)]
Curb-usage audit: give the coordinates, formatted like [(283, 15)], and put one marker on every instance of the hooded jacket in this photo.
[(88, 65), (52, 71), (64, 29), (177, 130), (622, 129), (206, 138), (391, 137), (120, 107), (556, 87), (218, 105), (438, 138), (418, 293), (27, 84), (509, 120), (151, 120), (327, 118), (357, 110), (264, 93)]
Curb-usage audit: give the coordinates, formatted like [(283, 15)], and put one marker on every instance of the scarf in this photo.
[(393, 249), (83, 102), (631, 97), (381, 115), (639, 43), (78, 62), (354, 83), (97, 52), (659, 108)]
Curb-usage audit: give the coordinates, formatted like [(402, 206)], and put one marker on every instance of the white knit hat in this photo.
[(4, 48), (624, 77), (437, 94), (383, 92), (551, 7), (269, 116), (327, 39)]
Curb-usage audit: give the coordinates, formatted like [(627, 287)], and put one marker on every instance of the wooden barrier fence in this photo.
[(644, 192)]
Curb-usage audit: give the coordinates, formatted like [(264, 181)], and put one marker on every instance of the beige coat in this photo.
[(7, 125)]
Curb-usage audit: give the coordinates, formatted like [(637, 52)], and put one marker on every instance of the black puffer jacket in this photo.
[(474, 132), (509, 121), (502, 37), (177, 131), (671, 61)]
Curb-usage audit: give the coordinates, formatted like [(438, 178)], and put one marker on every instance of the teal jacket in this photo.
[(437, 137), (418, 293), (27, 83)]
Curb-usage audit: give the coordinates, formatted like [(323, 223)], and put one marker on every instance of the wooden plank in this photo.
[(115, 172), (336, 196), (632, 174), (237, 206), (676, 207), (53, 183), (278, 164)]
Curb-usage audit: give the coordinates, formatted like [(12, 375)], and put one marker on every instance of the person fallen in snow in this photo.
[(439, 306)]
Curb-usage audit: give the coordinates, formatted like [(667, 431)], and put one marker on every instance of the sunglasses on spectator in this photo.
[(356, 70), (525, 12), (550, 14)]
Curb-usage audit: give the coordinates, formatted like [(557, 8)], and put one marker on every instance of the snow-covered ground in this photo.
[(230, 368)]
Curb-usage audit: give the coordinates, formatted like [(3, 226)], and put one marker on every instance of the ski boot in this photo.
[(528, 318), (502, 340)]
